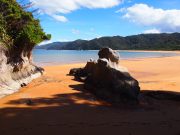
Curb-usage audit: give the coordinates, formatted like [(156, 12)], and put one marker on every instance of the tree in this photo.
[(19, 30)]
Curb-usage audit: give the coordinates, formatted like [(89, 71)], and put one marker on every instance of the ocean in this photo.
[(56, 57)]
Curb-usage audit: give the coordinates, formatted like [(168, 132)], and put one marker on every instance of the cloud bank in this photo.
[(151, 31), (56, 7), (160, 20)]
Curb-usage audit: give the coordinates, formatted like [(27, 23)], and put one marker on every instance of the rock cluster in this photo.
[(106, 79)]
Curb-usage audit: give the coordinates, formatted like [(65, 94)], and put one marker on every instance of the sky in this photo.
[(68, 20)]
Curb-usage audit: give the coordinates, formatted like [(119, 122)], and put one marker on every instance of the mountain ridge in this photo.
[(163, 41)]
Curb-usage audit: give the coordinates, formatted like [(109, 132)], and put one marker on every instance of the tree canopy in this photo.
[(18, 28)]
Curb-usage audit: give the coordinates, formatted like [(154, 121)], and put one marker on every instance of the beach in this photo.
[(57, 104)]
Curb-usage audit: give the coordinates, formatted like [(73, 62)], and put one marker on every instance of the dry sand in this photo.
[(55, 104)]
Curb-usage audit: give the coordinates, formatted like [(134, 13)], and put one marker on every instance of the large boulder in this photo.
[(106, 79)]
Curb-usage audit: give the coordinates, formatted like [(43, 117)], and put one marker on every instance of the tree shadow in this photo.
[(78, 113), (62, 112)]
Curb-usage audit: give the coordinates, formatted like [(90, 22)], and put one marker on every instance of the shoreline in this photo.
[(119, 50), (176, 53), (130, 64), (82, 64)]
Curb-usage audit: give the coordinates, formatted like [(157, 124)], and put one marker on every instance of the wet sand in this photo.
[(58, 105)]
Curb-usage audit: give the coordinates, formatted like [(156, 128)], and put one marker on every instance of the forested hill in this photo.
[(137, 42)]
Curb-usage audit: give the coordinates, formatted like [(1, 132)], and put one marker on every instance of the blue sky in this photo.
[(69, 20)]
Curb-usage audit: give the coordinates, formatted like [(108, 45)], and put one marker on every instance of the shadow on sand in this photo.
[(77, 114)]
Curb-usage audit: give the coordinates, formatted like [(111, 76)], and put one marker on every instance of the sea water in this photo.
[(55, 57)]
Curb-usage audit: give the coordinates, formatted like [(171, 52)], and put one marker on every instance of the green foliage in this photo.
[(137, 42), (31, 34), (47, 37), (19, 26), (5, 39)]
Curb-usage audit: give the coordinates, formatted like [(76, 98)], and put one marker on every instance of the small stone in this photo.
[(29, 102), (23, 84)]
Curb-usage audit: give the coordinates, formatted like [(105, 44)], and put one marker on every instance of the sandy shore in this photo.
[(56, 104)]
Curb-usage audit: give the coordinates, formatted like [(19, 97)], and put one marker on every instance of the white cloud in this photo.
[(99, 36), (54, 7), (151, 31), (60, 18), (161, 20), (45, 42), (121, 10), (75, 31)]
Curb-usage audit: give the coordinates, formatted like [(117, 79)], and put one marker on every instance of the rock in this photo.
[(75, 71), (109, 54), (15, 72), (106, 80)]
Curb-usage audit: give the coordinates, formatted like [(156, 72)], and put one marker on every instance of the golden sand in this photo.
[(57, 104)]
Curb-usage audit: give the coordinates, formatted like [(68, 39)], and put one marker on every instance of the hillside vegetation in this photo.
[(137, 42)]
